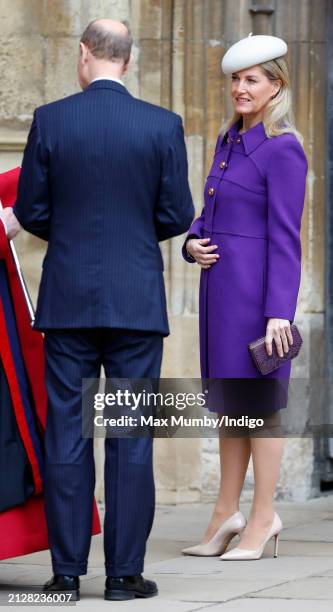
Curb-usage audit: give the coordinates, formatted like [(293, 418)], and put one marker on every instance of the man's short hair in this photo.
[(108, 45)]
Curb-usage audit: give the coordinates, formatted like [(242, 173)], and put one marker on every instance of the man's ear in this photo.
[(128, 63), (83, 52)]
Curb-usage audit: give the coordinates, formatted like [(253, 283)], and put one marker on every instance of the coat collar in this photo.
[(107, 84), (252, 138)]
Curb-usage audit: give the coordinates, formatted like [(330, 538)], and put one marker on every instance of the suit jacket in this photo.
[(104, 179), (23, 409)]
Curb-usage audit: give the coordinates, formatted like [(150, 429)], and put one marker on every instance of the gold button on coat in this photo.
[(223, 164), (238, 140), (211, 191)]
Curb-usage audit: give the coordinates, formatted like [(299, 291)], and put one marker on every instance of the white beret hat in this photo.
[(251, 51)]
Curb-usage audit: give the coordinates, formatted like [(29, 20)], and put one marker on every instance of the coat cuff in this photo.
[(185, 254), (3, 241), (278, 316), (5, 225)]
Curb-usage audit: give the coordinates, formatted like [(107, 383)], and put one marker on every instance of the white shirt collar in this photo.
[(107, 79)]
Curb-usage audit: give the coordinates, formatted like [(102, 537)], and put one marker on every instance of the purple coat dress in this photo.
[(253, 204)]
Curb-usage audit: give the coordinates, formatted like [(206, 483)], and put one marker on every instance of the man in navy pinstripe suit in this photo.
[(104, 179)]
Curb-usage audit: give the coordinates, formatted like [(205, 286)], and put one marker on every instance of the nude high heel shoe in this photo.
[(242, 554), (220, 540)]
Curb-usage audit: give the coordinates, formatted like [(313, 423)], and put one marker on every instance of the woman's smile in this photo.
[(242, 100)]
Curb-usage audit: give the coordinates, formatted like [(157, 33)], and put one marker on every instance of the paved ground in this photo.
[(301, 578)]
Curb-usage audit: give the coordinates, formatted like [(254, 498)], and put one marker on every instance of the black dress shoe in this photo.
[(128, 587), (60, 583)]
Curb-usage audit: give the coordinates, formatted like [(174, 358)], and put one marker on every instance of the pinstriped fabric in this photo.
[(104, 178), (69, 463)]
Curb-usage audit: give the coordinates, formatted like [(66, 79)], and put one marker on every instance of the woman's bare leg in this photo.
[(266, 457), (234, 460)]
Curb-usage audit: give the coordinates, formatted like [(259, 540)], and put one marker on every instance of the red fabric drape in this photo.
[(23, 529)]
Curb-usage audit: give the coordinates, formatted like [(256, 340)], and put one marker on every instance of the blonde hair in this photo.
[(278, 118)]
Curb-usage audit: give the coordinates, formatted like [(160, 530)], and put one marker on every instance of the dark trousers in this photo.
[(72, 355)]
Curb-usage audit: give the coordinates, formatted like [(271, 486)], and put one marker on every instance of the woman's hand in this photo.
[(279, 331), (200, 250)]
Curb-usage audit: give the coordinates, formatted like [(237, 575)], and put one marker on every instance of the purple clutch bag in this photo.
[(266, 363)]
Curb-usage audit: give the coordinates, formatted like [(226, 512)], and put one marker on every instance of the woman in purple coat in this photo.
[(247, 243)]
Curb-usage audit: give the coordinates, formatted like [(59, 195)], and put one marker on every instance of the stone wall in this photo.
[(178, 49)]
